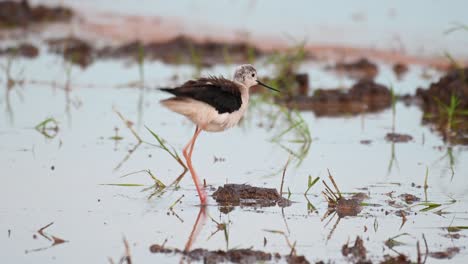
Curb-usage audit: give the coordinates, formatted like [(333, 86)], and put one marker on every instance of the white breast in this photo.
[(224, 121)]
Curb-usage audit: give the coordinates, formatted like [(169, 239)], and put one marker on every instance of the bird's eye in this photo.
[(253, 74)]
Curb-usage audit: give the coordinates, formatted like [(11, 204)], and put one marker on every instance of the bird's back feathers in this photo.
[(222, 94)]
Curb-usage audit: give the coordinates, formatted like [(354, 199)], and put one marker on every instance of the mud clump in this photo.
[(182, 50), (361, 69), (400, 259), (447, 254), (74, 50), (409, 198), (25, 50), (398, 138), (233, 255), (21, 14), (349, 207), (246, 195), (357, 252), (445, 104), (364, 96), (400, 70)]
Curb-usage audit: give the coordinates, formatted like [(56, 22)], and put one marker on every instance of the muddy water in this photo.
[(60, 179)]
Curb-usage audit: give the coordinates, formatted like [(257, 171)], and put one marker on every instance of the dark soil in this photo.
[(74, 50), (21, 14), (183, 49), (246, 195), (398, 138), (24, 50), (361, 69), (439, 97), (233, 255), (364, 96)]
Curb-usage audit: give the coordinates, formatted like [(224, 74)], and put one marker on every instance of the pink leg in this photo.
[(188, 150)]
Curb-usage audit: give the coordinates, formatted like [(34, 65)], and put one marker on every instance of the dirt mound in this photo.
[(74, 50), (246, 195), (21, 14), (445, 105), (364, 96)]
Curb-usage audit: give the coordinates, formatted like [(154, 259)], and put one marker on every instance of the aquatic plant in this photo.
[(286, 64)]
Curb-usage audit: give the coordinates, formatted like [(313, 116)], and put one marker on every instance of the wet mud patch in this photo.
[(22, 14), (361, 69), (183, 49), (245, 195), (445, 105), (363, 97), (398, 138), (233, 255)]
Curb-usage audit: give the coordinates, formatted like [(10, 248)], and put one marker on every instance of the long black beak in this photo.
[(269, 87)]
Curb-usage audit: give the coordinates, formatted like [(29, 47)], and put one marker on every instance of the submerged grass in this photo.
[(300, 132), (311, 183), (173, 153)]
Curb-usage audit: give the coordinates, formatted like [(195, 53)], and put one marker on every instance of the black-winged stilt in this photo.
[(214, 104)]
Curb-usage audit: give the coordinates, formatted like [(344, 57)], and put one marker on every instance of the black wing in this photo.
[(222, 94)]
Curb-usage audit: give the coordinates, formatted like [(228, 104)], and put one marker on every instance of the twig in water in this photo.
[(129, 125), (284, 173), (334, 183), (41, 231), (176, 202)]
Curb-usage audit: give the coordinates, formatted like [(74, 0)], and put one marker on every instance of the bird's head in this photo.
[(247, 75)]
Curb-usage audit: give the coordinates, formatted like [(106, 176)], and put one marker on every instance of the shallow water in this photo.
[(94, 218)]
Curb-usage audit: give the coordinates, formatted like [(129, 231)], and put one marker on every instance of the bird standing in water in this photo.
[(214, 104)]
